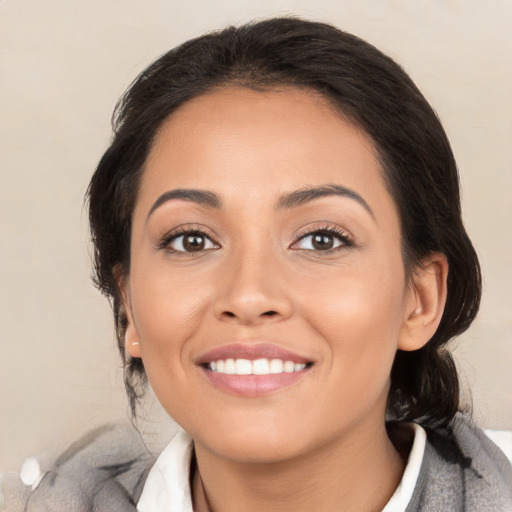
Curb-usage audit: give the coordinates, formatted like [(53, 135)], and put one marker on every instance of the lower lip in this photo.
[(253, 385)]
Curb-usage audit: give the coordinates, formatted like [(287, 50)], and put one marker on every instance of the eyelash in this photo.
[(343, 237), (184, 231)]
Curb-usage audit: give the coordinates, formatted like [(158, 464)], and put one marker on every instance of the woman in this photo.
[(277, 223)]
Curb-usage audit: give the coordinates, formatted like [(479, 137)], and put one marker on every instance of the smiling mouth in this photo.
[(261, 366), (253, 369)]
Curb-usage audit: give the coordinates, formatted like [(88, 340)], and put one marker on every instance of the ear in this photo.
[(424, 302), (131, 334)]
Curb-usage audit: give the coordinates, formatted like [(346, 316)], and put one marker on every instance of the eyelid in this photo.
[(182, 230), (341, 234), (209, 244)]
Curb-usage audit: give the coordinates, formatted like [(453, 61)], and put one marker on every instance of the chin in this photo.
[(260, 441), (260, 450)]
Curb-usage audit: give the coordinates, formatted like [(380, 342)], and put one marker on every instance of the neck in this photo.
[(359, 471)]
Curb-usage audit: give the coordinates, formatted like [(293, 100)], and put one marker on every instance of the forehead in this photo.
[(263, 143)]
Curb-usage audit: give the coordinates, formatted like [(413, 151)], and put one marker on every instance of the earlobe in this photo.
[(131, 343), (131, 335), (425, 301)]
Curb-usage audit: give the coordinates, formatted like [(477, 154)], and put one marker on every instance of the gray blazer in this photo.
[(105, 471)]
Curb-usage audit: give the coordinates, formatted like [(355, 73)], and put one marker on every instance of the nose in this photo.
[(253, 291)]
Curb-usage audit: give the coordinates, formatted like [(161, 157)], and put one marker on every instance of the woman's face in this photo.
[(264, 240)]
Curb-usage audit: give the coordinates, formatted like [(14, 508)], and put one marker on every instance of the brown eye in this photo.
[(322, 241), (191, 242)]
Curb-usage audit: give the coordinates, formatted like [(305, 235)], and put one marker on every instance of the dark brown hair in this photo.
[(370, 90)]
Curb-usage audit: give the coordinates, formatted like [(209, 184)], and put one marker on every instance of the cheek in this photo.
[(166, 321), (166, 301), (359, 313), (167, 313), (359, 325)]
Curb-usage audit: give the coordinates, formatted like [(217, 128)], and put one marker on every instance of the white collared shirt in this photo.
[(167, 488)]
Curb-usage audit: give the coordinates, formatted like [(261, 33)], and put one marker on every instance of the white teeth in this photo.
[(256, 367), (229, 367), (260, 367), (289, 366), (276, 366), (243, 367)]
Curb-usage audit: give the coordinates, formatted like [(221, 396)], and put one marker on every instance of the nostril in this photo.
[(249, 316), (266, 313)]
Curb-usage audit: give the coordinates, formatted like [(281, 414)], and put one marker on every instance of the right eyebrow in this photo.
[(308, 194), (201, 197)]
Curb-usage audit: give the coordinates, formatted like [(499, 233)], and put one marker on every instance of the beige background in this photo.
[(64, 63)]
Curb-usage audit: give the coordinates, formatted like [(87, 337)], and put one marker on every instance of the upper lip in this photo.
[(251, 351)]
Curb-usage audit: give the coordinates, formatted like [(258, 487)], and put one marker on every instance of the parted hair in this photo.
[(369, 89)]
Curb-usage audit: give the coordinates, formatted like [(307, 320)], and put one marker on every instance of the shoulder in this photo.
[(104, 470), (463, 469)]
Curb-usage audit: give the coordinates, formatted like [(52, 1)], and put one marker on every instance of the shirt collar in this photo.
[(167, 487)]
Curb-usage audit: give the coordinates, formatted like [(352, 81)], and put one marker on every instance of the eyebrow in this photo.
[(201, 197), (286, 201), (306, 195)]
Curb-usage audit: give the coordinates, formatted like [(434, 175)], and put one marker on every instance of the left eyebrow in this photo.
[(201, 197), (306, 195)]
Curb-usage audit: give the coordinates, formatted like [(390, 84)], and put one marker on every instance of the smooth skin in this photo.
[(322, 277)]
